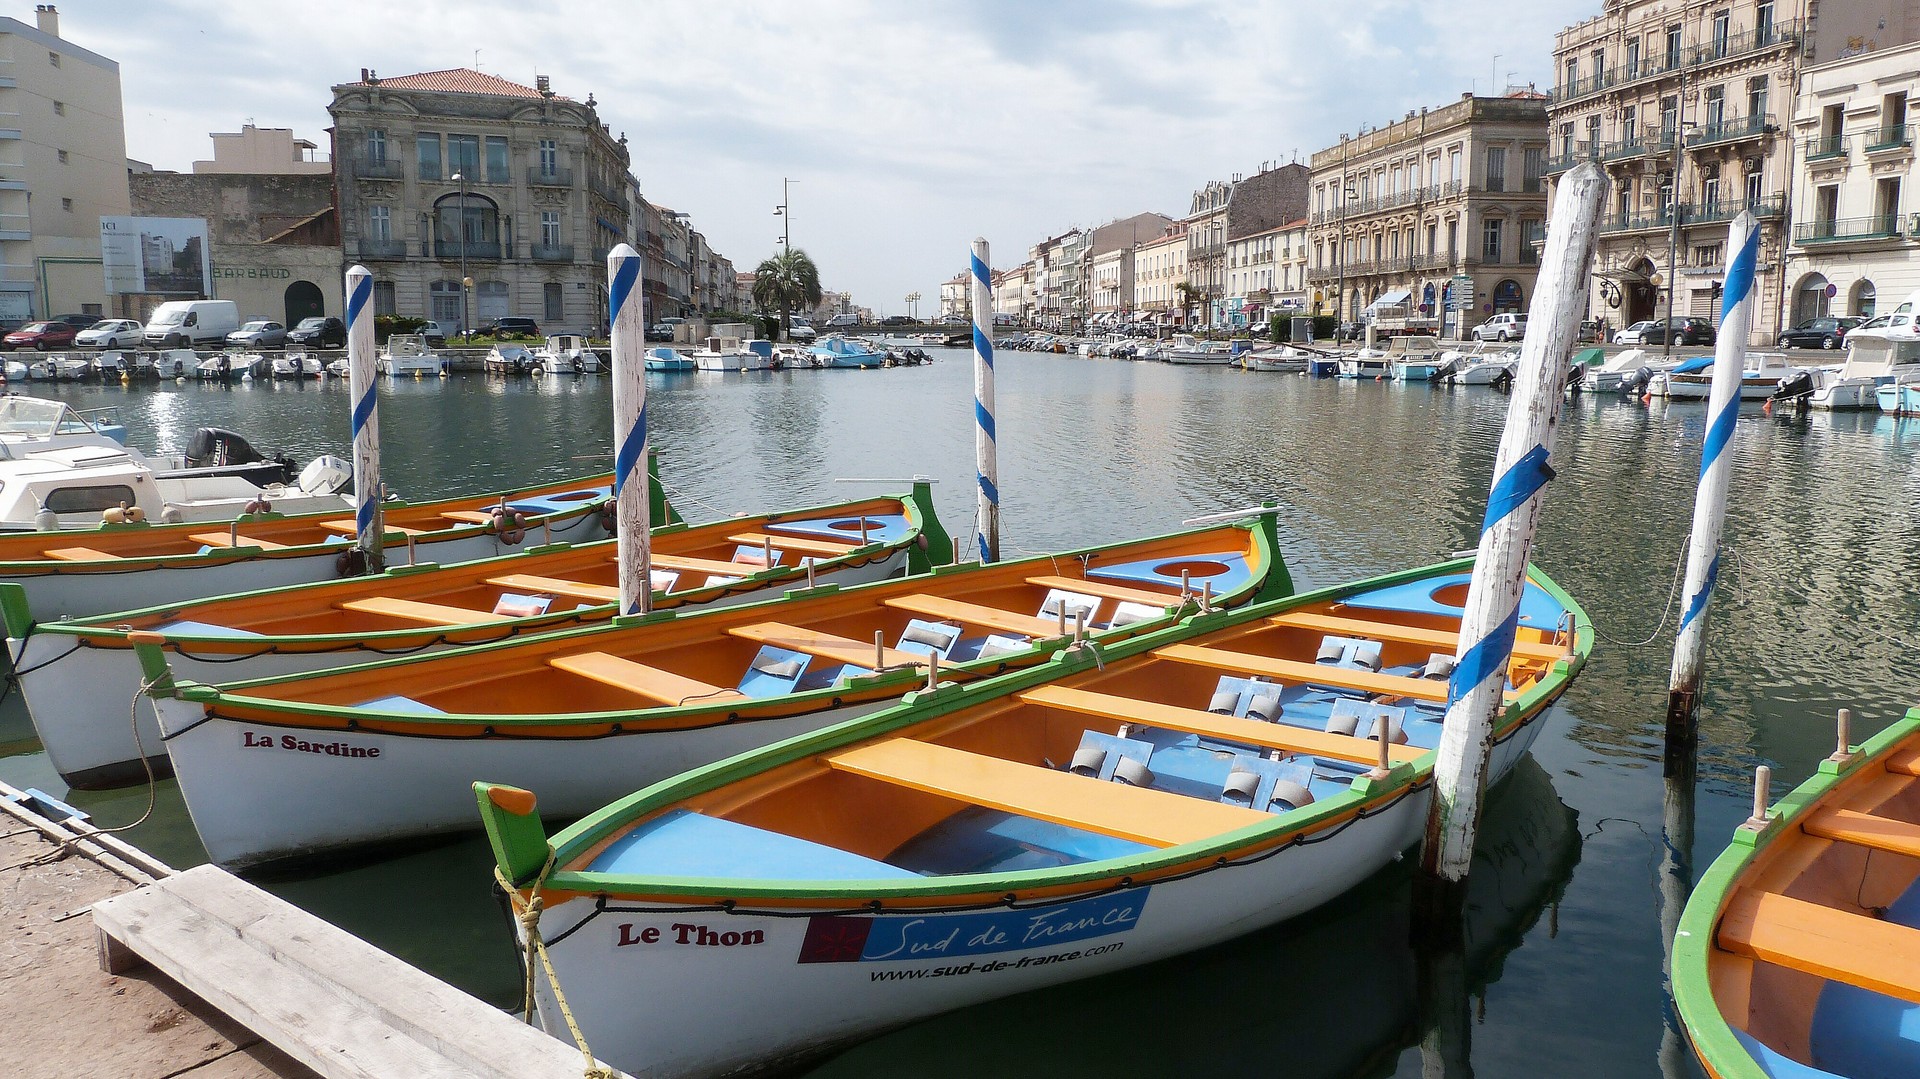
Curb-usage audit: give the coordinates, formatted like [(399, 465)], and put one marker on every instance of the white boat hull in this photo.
[(1697, 387), (686, 993), (1483, 374), (1364, 367), (81, 700), (1847, 395), (1899, 399), (1201, 359)]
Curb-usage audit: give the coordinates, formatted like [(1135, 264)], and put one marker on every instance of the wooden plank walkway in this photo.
[(326, 998)]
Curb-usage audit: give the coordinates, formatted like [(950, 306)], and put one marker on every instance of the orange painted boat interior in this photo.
[(164, 540), (337, 607), (869, 800), (715, 648), (1856, 876)]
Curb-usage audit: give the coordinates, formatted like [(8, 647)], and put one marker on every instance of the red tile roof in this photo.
[(461, 80)]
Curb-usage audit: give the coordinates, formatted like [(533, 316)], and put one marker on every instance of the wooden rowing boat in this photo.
[(1798, 956), (1109, 809), (79, 676), (86, 572), (282, 767)]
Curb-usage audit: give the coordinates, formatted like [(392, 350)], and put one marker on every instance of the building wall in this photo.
[(268, 280), (63, 156), (262, 150), (1854, 225), (1718, 104), (243, 211), (517, 268), (1159, 267)]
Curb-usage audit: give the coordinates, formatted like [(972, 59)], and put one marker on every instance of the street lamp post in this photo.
[(1340, 245), (466, 283), (1673, 222), (785, 213)]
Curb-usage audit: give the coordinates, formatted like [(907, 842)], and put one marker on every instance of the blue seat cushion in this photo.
[(682, 843), (881, 527)]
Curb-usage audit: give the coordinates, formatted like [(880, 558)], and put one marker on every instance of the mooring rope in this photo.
[(527, 910), (65, 846)]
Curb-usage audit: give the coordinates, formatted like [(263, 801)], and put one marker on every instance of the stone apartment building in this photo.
[(1159, 269), (1266, 274), (956, 296), (1223, 211), (524, 187), (1013, 292), (1407, 214), (63, 166)]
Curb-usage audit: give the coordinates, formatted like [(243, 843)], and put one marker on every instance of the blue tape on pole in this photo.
[(984, 419), (1698, 602), (621, 287), (1719, 434), (980, 271), (357, 303), (362, 412), (982, 347), (1740, 274), (363, 517), (628, 456), (986, 485), (1519, 483), (1487, 657)]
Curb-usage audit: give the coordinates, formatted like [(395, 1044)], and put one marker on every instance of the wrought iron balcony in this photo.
[(1823, 147), (553, 252), (554, 177), (476, 249), (1566, 159), (1845, 229), (1733, 129), (1728, 209), (1891, 137), (1654, 219), (364, 169), (1735, 46), (383, 249)]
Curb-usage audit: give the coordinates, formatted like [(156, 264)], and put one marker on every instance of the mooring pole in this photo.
[(1710, 500), (631, 490), (1476, 692), (366, 420), (985, 453)]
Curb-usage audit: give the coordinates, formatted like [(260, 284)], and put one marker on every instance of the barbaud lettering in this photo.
[(251, 273)]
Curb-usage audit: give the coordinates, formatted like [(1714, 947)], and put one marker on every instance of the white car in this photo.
[(845, 319), (109, 333), (1635, 334), (1507, 326)]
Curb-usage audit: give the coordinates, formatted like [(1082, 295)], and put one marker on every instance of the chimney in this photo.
[(47, 17), (544, 85)]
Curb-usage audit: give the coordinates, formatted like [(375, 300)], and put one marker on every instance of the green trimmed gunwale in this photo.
[(1262, 585), (916, 708), (1712, 1036)]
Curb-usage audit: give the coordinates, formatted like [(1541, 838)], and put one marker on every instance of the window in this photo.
[(1453, 165), (380, 223), (499, 166), (1886, 205), (1593, 132), (60, 156), (427, 146), (1716, 106), (1566, 139), (1721, 21), (1757, 98), (463, 157), (88, 499), (1573, 73), (1627, 124), (383, 299), (59, 108), (1710, 187), (1490, 239), (1599, 65), (555, 298), (1706, 255), (1763, 22), (1753, 182), (1453, 239), (549, 157), (1496, 168), (550, 228), (53, 58), (1826, 211), (1633, 57), (1673, 46), (67, 205), (1623, 202), (1666, 194), (1433, 238), (377, 146), (1669, 117)]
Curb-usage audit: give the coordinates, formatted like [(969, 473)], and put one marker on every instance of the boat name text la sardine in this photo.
[(251, 740)]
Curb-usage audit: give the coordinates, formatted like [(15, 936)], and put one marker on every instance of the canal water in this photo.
[(1561, 971)]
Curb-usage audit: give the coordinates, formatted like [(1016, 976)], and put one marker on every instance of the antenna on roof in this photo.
[(476, 59)]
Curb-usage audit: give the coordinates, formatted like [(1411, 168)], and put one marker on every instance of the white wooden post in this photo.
[(1737, 301), (361, 391), (630, 487), (985, 449), (1477, 688)]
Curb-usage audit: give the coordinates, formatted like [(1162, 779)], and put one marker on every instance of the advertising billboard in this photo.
[(160, 256)]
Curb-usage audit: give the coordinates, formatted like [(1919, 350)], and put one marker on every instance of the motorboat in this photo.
[(1366, 363), (1414, 358), (175, 362), (408, 354), (1901, 396), (233, 367), (1626, 371), (1282, 359), (565, 354), (1872, 362), (666, 359), (731, 347), (62, 367), (837, 351), (1760, 376), (507, 360), (1191, 351), (298, 365), (1484, 364)]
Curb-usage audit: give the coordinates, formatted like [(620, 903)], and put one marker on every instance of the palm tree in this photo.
[(785, 281)]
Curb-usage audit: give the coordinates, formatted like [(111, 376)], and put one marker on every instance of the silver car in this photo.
[(259, 334), (109, 333)]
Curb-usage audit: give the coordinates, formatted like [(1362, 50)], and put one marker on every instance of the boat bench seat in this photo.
[(710, 566), (1107, 591), (1246, 732), (652, 683), (559, 586), (469, 516), (1314, 674), (825, 645), (226, 539), (1387, 631), (1156, 818), (430, 614), (1866, 830), (1837, 945), (1905, 762), (79, 554), (350, 527), (976, 614), (824, 548)]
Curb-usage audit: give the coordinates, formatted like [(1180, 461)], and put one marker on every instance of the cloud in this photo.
[(908, 128)]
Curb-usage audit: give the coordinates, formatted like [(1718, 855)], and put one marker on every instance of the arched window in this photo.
[(1810, 298), (1507, 297), (443, 305), (472, 226), (1860, 300)]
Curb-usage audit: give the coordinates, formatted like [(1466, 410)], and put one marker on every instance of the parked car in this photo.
[(1827, 333), (664, 329), (259, 333), (843, 320), (1506, 326), (1686, 331), (896, 320), (40, 335), (511, 326), (1635, 334), (109, 333), (319, 331), (433, 333)]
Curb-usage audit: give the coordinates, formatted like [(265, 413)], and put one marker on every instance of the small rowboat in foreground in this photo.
[(1798, 956), (94, 571), (80, 675), (289, 766), (1115, 807)]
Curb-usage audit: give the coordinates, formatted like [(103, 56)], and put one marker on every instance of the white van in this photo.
[(191, 323)]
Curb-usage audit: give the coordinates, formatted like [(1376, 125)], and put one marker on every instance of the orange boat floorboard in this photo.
[(1828, 943), (1313, 674), (1386, 631)]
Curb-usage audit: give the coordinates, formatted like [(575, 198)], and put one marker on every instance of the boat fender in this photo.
[(258, 505), (351, 563), (115, 515), (610, 517), (45, 520), (510, 524), (1290, 794), (170, 514)]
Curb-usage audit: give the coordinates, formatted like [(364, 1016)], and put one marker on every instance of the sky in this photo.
[(907, 127)]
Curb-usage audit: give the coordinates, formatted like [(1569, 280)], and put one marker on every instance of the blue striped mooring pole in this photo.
[(985, 450), (368, 520), (628, 348)]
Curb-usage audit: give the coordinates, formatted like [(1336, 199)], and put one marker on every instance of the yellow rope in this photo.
[(527, 910)]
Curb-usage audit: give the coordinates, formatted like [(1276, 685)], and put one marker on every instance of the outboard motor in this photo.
[(326, 475), (1796, 389), (1576, 378), (214, 447), (1635, 384)]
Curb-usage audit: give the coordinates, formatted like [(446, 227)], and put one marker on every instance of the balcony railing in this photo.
[(1746, 43), (1840, 230), (556, 177), (1733, 129), (382, 249), (1654, 219), (1566, 159), (476, 249), (1891, 137), (1728, 209), (1588, 84), (1824, 146), (377, 170), (553, 252), (607, 191)]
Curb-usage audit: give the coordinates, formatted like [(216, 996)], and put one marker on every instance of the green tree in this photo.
[(785, 281)]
